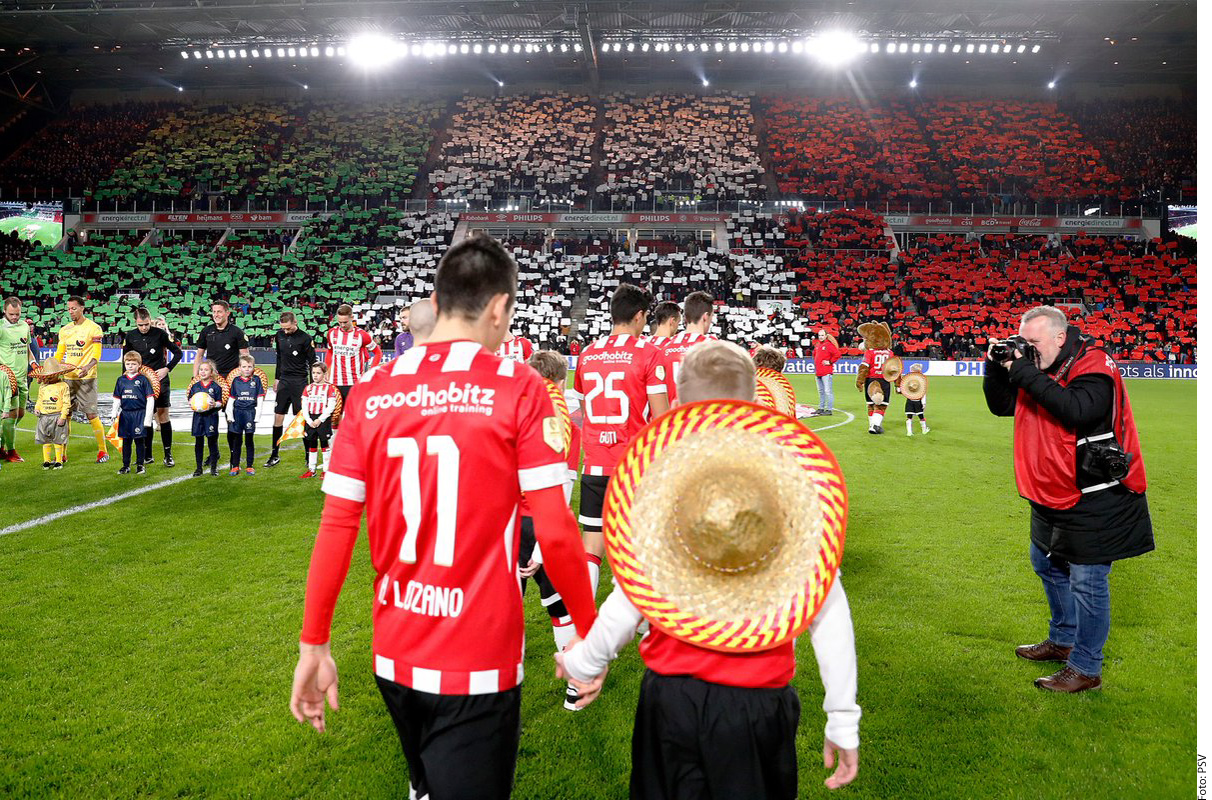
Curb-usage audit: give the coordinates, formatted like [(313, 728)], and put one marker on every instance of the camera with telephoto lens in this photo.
[(1004, 350), (1108, 459)]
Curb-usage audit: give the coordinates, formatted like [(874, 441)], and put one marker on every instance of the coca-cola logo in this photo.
[(1030, 222)]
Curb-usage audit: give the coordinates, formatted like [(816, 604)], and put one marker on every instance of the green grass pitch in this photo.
[(39, 230), (146, 647)]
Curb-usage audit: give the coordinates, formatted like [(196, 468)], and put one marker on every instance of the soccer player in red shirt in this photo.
[(437, 447), (699, 311), (351, 352), (622, 385), (519, 348), (666, 318)]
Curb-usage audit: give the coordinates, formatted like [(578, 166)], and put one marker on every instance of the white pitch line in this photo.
[(847, 421), (67, 512)]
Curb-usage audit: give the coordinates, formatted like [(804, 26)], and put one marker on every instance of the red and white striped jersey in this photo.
[(672, 355), (614, 376), (350, 354), (659, 341), (319, 401), (519, 348), (439, 445)]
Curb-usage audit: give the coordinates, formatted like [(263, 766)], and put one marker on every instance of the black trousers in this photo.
[(457, 746), (697, 740)]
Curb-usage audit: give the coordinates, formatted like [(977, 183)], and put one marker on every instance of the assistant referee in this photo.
[(296, 353)]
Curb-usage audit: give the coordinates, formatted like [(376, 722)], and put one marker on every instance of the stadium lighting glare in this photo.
[(835, 48), (517, 48), (492, 48), (197, 54), (477, 48), (1035, 48), (373, 51), (315, 51), (971, 48), (903, 47), (768, 47), (329, 51), (917, 47), (281, 52), (782, 47), (678, 47), (290, 51), (955, 48), (913, 83), (744, 47), (305, 86), (180, 88), (564, 47), (577, 47), (929, 47), (644, 47), (719, 47), (983, 48), (706, 82), (1022, 48), (703, 47), (1051, 84), (341, 52), (550, 48), (222, 53), (797, 46), (243, 54), (995, 49), (185, 54), (890, 47), (500, 83)]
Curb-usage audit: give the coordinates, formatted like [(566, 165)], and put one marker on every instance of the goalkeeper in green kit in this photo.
[(17, 354)]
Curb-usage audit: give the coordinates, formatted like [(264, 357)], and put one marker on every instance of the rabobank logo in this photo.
[(458, 398)]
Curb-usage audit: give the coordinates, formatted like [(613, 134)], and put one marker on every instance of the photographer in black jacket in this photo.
[(1077, 460)]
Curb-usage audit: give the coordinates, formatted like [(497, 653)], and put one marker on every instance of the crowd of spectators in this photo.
[(77, 150), (664, 147), (500, 148), (1149, 143), (839, 149)]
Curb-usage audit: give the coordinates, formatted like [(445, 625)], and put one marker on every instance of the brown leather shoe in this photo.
[(1047, 650), (1070, 681)]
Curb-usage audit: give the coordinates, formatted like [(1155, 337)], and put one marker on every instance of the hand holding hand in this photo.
[(529, 570), (847, 767), (588, 691)]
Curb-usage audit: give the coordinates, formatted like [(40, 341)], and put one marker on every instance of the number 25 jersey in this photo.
[(439, 444), (614, 376)]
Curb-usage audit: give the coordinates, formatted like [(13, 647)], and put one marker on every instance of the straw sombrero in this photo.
[(778, 386), (150, 374), (913, 386), (50, 368), (764, 397), (724, 525), (892, 369), (12, 379)]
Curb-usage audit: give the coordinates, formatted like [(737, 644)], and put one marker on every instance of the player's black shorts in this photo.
[(457, 745), (914, 408), (318, 436), (344, 390), (698, 739), (166, 390), (289, 395), (884, 387), (593, 496), (526, 541)]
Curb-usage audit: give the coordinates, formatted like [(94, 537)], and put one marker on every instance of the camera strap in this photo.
[(1083, 342)]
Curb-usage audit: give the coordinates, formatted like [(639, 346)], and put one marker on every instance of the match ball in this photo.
[(201, 402)]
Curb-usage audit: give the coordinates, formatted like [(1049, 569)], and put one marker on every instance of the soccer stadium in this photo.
[(487, 399)]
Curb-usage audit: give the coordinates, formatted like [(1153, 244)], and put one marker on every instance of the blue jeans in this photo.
[(824, 387), (1079, 597)]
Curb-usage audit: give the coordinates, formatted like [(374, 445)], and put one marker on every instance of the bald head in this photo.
[(715, 370), (421, 320)]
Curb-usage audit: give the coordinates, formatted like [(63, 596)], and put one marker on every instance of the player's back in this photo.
[(673, 352), (439, 444), (614, 376)]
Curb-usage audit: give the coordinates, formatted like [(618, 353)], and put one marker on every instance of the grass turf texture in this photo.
[(39, 230), (149, 645)]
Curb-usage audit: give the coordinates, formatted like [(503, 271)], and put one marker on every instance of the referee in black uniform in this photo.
[(154, 345), (223, 343), (296, 353)]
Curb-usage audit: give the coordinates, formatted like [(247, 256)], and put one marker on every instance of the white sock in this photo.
[(595, 570), (909, 426), (877, 419), (311, 460), (324, 458), (563, 635), (925, 427)]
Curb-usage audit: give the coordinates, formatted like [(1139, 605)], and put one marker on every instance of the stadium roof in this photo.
[(51, 48)]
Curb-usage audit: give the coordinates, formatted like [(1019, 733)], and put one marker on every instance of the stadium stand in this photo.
[(663, 148), (80, 148), (538, 146), (834, 148), (1148, 143)]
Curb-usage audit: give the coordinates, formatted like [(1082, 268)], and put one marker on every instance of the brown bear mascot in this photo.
[(877, 347)]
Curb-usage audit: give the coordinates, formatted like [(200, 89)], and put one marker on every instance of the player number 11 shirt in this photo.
[(439, 444)]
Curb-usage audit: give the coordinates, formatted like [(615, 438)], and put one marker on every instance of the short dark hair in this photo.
[(142, 313), (287, 316), (11, 301), (696, 305), (470, 274), (628, 300), (665, 311), (344, 310), (224, 303), (77, 299)]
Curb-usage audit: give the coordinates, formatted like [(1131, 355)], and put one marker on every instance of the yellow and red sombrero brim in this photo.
[(737, 449)]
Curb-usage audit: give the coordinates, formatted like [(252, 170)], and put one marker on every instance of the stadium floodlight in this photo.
[(995, 49), (517, 48), (706, 82), (929, 48), (577, 47), (677, 46), (416, 49), (903, 47), (913, 83), (703, 47), (329, 51), (231, 53), (222, 53), (744, 47), (719, 47), (983, 48), (315, 51), (1035, 48), (768, 47), (631, 47), (197, 54), (917, 47), (1022, 48), (732, 47), (1051, 84), (477, 48), (644, 47), (605, 47), (970, 48), (890, 47), (341, 51), (549, 47), (492, 48), (180, 88), (243, 54), (305, 86), (564, 47), (835, 48), (185, 54), (797, 46), (464, 49), (782, 47), (955, 48), (373, 51), (290, 51), (255, 53)]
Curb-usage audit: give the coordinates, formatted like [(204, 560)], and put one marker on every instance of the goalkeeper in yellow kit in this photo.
[(80, 346)]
